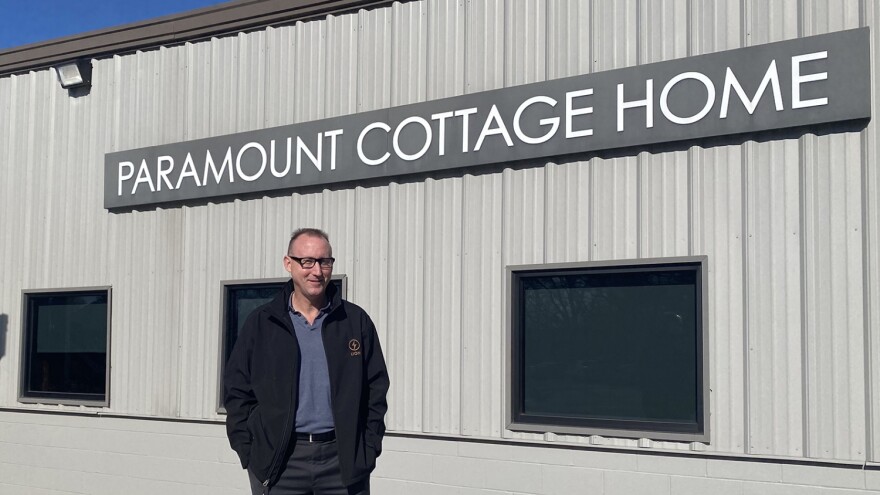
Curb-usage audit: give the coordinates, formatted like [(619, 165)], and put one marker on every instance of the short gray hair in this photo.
[(309, 231)]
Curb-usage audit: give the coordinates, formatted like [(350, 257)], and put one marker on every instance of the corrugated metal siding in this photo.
[(374, 64), (788, 224), (481, 302), (833, 284), (569, 45), (567, 223), (482, 268), (409, 53), (834, 275), (718, 233), (405, 335), (871, 229), (445, 48), (773, 298), (442, 322), (10, 221), (718, 217)]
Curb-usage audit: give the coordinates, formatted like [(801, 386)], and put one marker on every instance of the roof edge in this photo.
[(216, 20)]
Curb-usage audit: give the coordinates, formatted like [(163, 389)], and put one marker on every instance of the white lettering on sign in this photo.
[(441, 130), (143, 176), (333, 135), (163, 172), (302, 148), (664, 98), (570, 112), (488, 130), (797, 79), (189, 170), (209, 165), (771, 77), (665, 102), (427, 144), (731, 82), (552, 122), (465, 115), (360, 145), (124, 176), (648, 103), (241, 173)]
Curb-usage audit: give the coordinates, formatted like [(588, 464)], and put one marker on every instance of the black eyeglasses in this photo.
[(310, 262)]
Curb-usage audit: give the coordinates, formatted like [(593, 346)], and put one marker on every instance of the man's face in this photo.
[(309, 282)]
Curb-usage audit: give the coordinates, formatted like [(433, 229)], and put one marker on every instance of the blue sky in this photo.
[(23, 22)]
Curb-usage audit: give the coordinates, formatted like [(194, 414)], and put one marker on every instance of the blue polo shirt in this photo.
[(313, 413)]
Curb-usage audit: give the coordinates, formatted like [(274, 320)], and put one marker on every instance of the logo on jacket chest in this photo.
[(355, 347)]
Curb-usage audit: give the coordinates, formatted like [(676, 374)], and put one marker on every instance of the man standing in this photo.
[(306, 384)]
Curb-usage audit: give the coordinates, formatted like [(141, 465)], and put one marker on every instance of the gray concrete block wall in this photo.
[(55, 454), (435, 465), (61, 453)]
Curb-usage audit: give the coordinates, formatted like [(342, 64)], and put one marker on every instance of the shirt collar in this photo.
[(323, 310)]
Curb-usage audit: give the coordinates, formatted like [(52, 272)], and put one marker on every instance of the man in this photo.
[(306, 384)]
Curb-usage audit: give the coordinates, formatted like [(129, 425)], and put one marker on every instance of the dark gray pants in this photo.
[(312, 469)]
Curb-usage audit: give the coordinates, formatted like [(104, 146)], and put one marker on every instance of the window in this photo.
[(66, 346), (240, 298), (610, 350)]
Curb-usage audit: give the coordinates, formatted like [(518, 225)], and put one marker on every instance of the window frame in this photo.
[(26, 343), (606, 427), (225, 285)]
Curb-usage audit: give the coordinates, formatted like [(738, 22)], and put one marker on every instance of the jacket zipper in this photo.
[(288, 424), (332, 391), (285, 435)]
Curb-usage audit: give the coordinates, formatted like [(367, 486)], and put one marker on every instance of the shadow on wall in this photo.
[(4, 324)]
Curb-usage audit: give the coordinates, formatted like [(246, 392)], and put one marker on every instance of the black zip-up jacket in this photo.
[(261, 382)]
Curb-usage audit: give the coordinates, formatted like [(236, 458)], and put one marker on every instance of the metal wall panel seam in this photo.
[(8, 293), (183, 320), (640, 56), (690, 215), (170, 363), (689, 50), (744, 158), (869, 230), (27, 129), (866, 299), (805, 353), (640, 165), (425, 408)]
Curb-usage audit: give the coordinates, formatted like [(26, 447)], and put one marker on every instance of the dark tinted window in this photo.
[(609, 348), (242, 299), (66, 346)]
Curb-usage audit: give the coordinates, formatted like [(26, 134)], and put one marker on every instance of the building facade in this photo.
[(760, 247)]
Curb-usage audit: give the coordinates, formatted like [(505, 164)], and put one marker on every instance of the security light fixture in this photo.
[(74, 74)]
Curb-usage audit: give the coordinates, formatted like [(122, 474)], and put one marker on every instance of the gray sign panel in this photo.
[(806, 81)]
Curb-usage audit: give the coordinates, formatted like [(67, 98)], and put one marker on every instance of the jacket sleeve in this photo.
[(239, 398), (377, 383)]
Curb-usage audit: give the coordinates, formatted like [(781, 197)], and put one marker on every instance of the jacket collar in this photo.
[(278, 306)]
